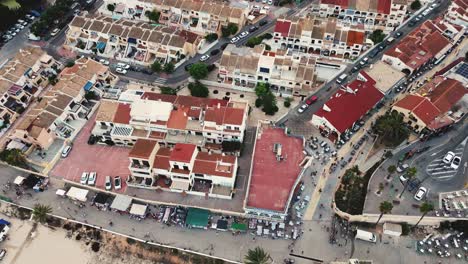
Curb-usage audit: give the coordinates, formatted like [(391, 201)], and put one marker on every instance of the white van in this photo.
[(342, 78), (366, 236)]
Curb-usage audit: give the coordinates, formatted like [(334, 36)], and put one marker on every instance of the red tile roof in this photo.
[(435, 42), (282, 27), (447, 94), (342, 3), (383, 6), (355, 37), (122, 115), (161, 159), (178, 119), (346, 108), (420, 107), (142, 149), (209, 164), (410, 101), (182, 152), (225, 115)]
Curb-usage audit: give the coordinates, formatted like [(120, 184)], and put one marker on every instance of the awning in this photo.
[(77, 194), (197, 218), (121, 203), (88, 86), (138, 209), (101, 198), (19, 180), (15, 145), (222, 224), (101, 45), (180, 185), (60, 192), (239, 227), (4, 222), (132, 40)]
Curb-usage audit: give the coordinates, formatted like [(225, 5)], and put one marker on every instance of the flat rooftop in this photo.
[(384, 75), (271, 180)]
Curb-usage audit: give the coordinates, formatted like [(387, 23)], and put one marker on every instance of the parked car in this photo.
[(123, 66), (204, 57), (66, 151), (187, 67), (253, 28), (403, 179), (398, 34), (92, 178), (364, 61), (108, 183), (455, 162), (104, 62), (263, 22), (84, 178), (214, 52), (30, 17), (420, 193), (2, 253), (402, 167), (19, 26), (312, 100), (121, 71), (448, 157), (302, 108), (243, 34), (117, 183), (54, 32), (234, 40)]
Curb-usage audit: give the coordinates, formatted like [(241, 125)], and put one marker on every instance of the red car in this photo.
[(312, 100)]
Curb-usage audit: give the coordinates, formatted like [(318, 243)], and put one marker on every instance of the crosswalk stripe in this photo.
[(444, 177), (435, 169), (444, 172)]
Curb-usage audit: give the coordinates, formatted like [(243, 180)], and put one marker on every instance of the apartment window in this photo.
[(186, 168), (236, 128), (176, 166), (264, 70), (103, 124), (146, 163), (208, 134), (228, 127), (297, 83), (199, 175), (235, 137), (266, 79), (134, 161)]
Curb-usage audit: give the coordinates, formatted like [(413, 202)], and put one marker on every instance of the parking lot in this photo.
[(104, 160), (439, 170)]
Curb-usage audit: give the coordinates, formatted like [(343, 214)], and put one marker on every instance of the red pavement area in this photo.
[(104, 160), (271, 180)]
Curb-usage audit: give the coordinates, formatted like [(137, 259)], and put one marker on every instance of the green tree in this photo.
[(262, 88), (415, 5), (269, 104), (211, 37), (391, 169), (198, 70), (391, 127), (266, 36), (257, 256), (424, 209), (410, 174), (168, 90), (198, 89), (287, 102), (153, 15), (40, 212), (253, 41), (13, 157), (111, 7), (377, 36), (384, 208), (233, 28), (12, 5), (91, 95), (156, 66), (169, 67)]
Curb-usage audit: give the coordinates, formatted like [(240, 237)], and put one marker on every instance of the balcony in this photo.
[(139, 166)]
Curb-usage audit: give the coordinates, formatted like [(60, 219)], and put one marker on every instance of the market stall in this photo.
[(78, 194), (102, 201), (138, 210), (19, 180), (121, 203)]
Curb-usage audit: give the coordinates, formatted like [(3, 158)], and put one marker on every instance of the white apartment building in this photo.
[(287, 74), (131, 41), (319, 37), (369, 14), (181, 168), (201, 17), (170, 119)]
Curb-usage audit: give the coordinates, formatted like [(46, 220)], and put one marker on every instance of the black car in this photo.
[(187, 67), (214, 52), (412, 23), (223, 47), (253, 28), (373, 53), (398, 34), (263, 22), (355, 69)]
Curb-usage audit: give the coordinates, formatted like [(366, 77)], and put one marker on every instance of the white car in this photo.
[(2, 253), (121, 71), (420, 193), (243, 34), (30, 17), (104, 62), (204, 57), (270, 2), (402, 168), (19, 26), (234, 40), (302, 108), (123, 66), (403, 179), (92, 178), (108, 183), (455, 163), (448, 157), (84, 178), (54, 32), (66, 151), (117, 183)]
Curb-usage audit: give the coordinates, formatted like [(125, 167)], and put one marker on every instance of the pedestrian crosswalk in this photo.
[(437, 169)]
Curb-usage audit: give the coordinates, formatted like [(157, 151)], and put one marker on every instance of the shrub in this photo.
[(258, 102), (198, 89), (211, 37)]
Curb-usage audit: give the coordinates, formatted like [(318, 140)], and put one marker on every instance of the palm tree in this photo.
[(40, 212), (10, 4), (391, 169), (409, 175), (424, 209), (391, 127), (384, 208), (257, 256)]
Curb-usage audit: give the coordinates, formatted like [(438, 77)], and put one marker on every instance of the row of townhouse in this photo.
[(63, 103), (170, 119), (288, 74), (201, 17), (431, 41), (319, 37), (181, 168), (130, 41), (458, 13), (22, 78), (385, 15)]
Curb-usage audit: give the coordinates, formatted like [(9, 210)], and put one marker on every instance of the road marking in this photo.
[(435, 164), (445, 177), (439, 168), (433, 154), (444, 172)]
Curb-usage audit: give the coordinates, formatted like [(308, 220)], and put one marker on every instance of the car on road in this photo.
[(402, 167), (312, 100), (187, 67), (19, 26), (364, 61), (420, 193), (2, 253), (398, 34), (234, 40), (412, 23), (108, 183), (121, 71), (355, 69), (84, 178), (448, 157), (54, 32), (30, 17), (253, 28), (104, 62), (92, 178), (204, 57), (243, 34), (223, 47), (214, 52), (123, 66), (66, 151), (263, 22), (403, 178), (117, 183), (455, 163), (302, 108)]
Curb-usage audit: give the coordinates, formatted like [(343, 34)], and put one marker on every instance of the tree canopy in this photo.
[(198, 70), (153, 15), (156, 66), (415, 5), (391, 127), (198, 89), (377, 36), (257, 256)]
